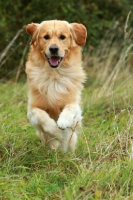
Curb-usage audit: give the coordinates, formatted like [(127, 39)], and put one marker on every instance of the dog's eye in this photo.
[(46, 37), (62, 37)]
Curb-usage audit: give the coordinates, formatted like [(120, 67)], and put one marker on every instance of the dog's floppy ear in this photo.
[(32, 30), (79, 33)]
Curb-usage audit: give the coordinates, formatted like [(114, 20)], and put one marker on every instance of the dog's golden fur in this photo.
[(54, 93)]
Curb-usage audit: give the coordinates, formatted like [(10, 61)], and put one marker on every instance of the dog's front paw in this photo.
[(65, 122)]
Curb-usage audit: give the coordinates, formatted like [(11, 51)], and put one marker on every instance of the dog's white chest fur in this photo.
[(54, 85)]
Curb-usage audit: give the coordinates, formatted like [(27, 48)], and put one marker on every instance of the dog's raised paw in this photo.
[(64, 122)]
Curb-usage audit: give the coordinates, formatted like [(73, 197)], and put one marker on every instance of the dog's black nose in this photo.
[(54, 49)]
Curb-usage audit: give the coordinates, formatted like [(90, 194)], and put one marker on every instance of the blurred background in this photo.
[(109, 25)]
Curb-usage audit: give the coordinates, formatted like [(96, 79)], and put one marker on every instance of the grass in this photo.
[(102, 166)]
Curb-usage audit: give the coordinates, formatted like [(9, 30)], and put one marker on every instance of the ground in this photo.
[(101, 167)]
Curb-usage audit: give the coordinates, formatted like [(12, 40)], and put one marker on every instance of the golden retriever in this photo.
[(55, 80)]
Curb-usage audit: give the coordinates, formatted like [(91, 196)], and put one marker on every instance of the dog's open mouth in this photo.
[(54, 61)]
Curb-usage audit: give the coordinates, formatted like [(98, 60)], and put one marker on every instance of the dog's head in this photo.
[(55, 38)]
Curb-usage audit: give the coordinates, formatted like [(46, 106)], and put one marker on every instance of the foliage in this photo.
[(98, 16), (102, 166)]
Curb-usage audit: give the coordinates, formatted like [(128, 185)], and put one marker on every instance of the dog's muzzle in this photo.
[(54, 60)]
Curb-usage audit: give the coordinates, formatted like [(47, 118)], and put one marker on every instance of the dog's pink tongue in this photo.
[(54, 60)]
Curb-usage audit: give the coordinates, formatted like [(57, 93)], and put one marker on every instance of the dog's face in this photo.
[(55, 38)]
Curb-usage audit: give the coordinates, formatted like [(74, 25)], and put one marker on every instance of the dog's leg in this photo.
[(73, 141), (54, 143), (69, 140), (69, 121), (70, 116), (41, 135), (39, 117), (46, 139)]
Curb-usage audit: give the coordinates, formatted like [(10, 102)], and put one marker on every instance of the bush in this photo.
[(98, 16)]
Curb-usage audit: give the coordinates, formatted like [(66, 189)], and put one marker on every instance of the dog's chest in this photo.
[(54, 89)]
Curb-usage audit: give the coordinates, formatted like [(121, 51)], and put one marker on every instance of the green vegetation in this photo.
[(98, 16), (102, 166)]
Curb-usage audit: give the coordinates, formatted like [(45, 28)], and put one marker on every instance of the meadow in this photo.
[(102, 166)]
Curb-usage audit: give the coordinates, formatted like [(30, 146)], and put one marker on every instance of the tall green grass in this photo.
[(102, 166)]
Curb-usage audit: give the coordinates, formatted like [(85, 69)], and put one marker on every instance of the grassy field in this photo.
[(102, 166)]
